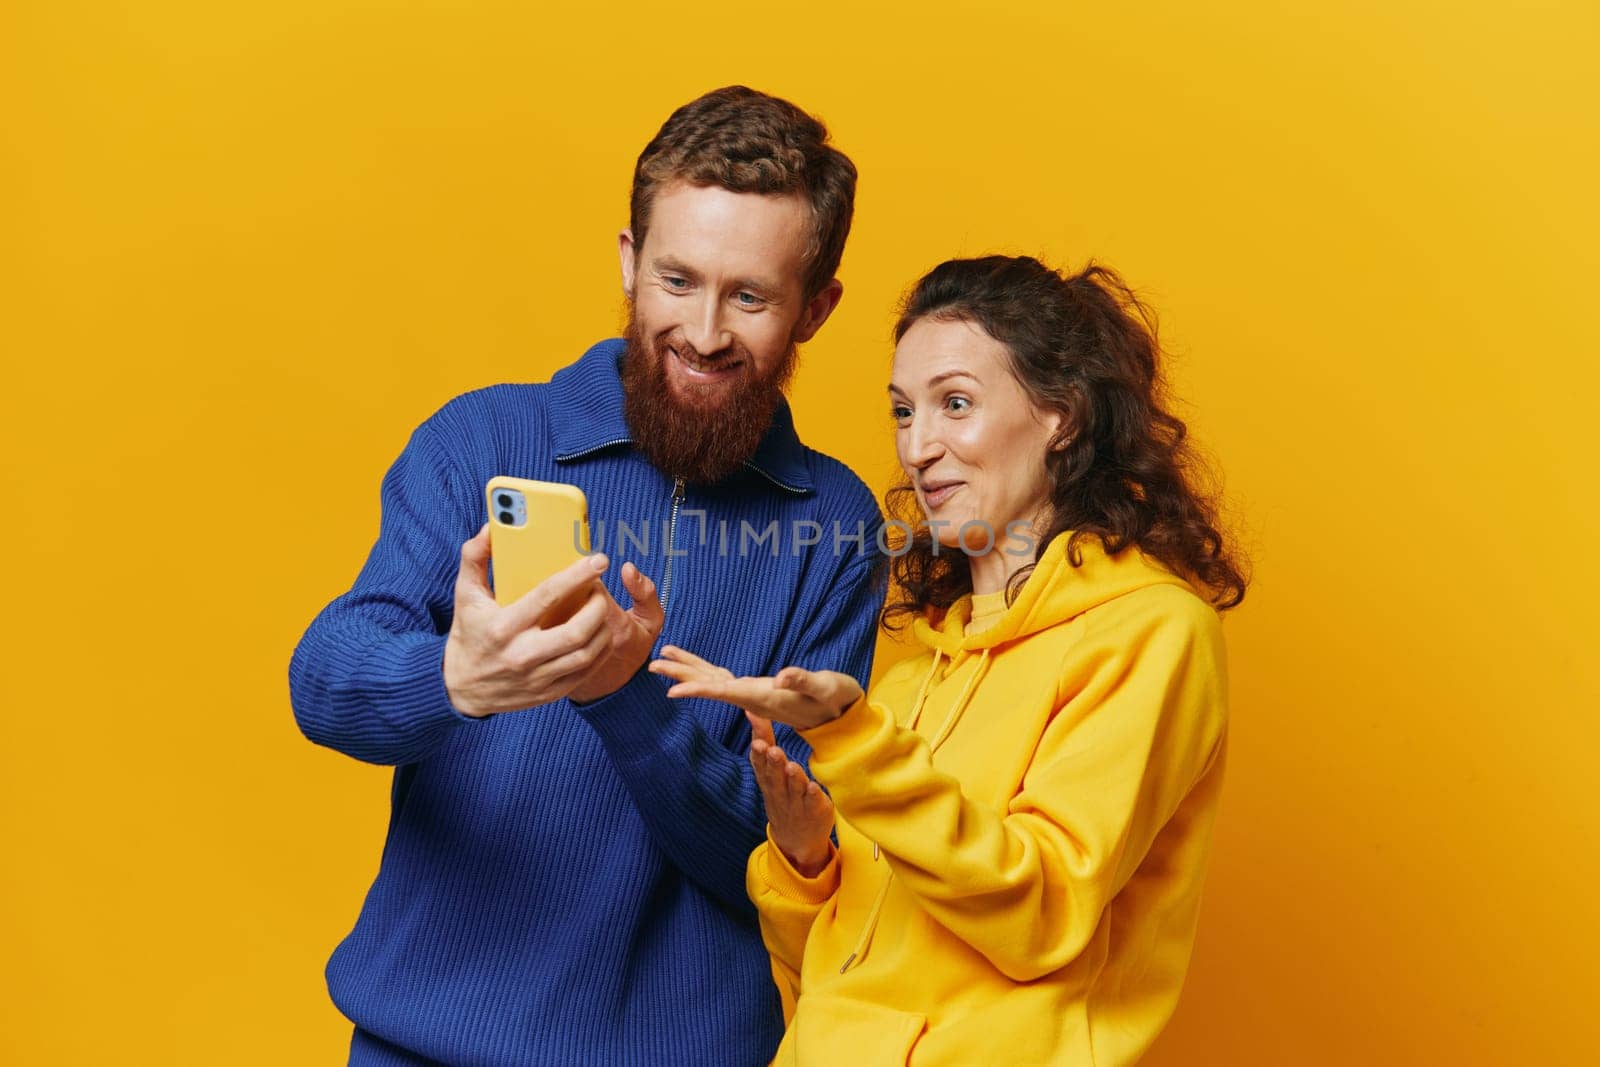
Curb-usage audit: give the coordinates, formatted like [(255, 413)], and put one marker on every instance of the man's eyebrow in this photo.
[(765, 288), (674, 265)]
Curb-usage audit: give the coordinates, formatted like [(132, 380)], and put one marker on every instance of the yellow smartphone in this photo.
[(535, 530)]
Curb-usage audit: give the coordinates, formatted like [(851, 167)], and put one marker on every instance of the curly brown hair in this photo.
[(1122, 468), (748, 142)]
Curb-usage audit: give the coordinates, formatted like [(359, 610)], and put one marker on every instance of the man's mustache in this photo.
[(675, 342)]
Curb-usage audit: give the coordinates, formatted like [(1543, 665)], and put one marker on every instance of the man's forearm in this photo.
[(370, 693), (698, 799)]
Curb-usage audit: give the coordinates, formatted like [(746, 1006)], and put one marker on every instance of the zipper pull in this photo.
[(874, 852)]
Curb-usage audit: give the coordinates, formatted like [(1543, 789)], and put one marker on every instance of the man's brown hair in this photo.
[(748, 142)]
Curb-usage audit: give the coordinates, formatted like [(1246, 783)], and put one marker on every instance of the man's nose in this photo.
[(706, 330)]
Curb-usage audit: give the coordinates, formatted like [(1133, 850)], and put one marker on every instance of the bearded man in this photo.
[(563, 877)]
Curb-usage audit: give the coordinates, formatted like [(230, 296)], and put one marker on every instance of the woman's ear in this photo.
[(1060, 436)]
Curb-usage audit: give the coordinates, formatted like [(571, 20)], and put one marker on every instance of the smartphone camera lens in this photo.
[(504, 500), (506, 518)]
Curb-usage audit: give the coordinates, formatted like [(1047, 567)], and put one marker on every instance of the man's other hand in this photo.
[(633, 634)]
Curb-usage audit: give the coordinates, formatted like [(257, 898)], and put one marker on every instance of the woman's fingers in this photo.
[(706, 690), (678, 672), (761, 729), (750, 693), (758, 762), (761, 696), (770, 778), (797, 780), (681, 671), (818, 803), (785, 784), (760, 747), (831, 688), (843, 688), (685, 667), (795, 678), (693, 682), (763, 754), (682, 655)]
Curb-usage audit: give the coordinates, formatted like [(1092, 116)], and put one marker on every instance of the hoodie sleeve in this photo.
[(1139, 720), (788, 903)]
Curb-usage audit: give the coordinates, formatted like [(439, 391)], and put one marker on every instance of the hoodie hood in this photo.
[(1054, 593)]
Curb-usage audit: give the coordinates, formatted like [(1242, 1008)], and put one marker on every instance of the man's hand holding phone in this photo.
[(504, 658)]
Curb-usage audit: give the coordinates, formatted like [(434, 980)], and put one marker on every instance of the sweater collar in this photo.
[(589, 417)]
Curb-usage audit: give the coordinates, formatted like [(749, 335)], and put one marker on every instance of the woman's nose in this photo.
[(923, 446)]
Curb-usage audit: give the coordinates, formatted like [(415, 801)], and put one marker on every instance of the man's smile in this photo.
[(696, 367)]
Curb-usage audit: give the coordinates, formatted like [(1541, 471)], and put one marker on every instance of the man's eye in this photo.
[(748, 300), (674, 283)]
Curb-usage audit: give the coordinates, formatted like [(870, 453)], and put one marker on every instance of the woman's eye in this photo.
[(900, 413), (958, 403)]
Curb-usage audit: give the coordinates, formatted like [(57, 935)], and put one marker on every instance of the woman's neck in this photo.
[(992, 571)]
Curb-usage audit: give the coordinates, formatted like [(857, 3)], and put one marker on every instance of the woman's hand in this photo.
[(799, 813), (797, 697)]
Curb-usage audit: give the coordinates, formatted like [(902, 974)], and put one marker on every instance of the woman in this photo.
[(1025, 808)]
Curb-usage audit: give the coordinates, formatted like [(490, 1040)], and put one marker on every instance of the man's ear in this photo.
[(625, 252), (818, 310)]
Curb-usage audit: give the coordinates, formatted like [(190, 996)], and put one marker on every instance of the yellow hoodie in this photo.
[(1024, 817)]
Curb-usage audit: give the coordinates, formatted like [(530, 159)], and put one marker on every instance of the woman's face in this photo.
[(968, 436)]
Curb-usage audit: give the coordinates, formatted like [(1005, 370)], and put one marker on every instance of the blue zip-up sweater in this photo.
[(565, 884)]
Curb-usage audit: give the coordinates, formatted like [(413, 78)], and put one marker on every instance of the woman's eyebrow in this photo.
[(937, 378)]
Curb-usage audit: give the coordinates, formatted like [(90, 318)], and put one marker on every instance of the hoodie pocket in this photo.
[(832, 1030)]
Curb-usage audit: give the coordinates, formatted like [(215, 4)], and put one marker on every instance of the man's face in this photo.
[(717, 307)]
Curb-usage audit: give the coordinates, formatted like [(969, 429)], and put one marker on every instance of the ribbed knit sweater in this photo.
[(565, 884)]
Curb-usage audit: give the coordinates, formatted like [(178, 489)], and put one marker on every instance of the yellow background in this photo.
[(246, 247)]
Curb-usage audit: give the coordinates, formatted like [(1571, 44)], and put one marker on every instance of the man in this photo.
[(563, 878)]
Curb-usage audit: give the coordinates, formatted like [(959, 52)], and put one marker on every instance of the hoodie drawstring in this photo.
[(943, 732), (967, 690)]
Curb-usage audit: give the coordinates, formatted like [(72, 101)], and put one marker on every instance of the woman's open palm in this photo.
[(798, 811)]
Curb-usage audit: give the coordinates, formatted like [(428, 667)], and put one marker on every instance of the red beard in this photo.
[(706, 436)]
